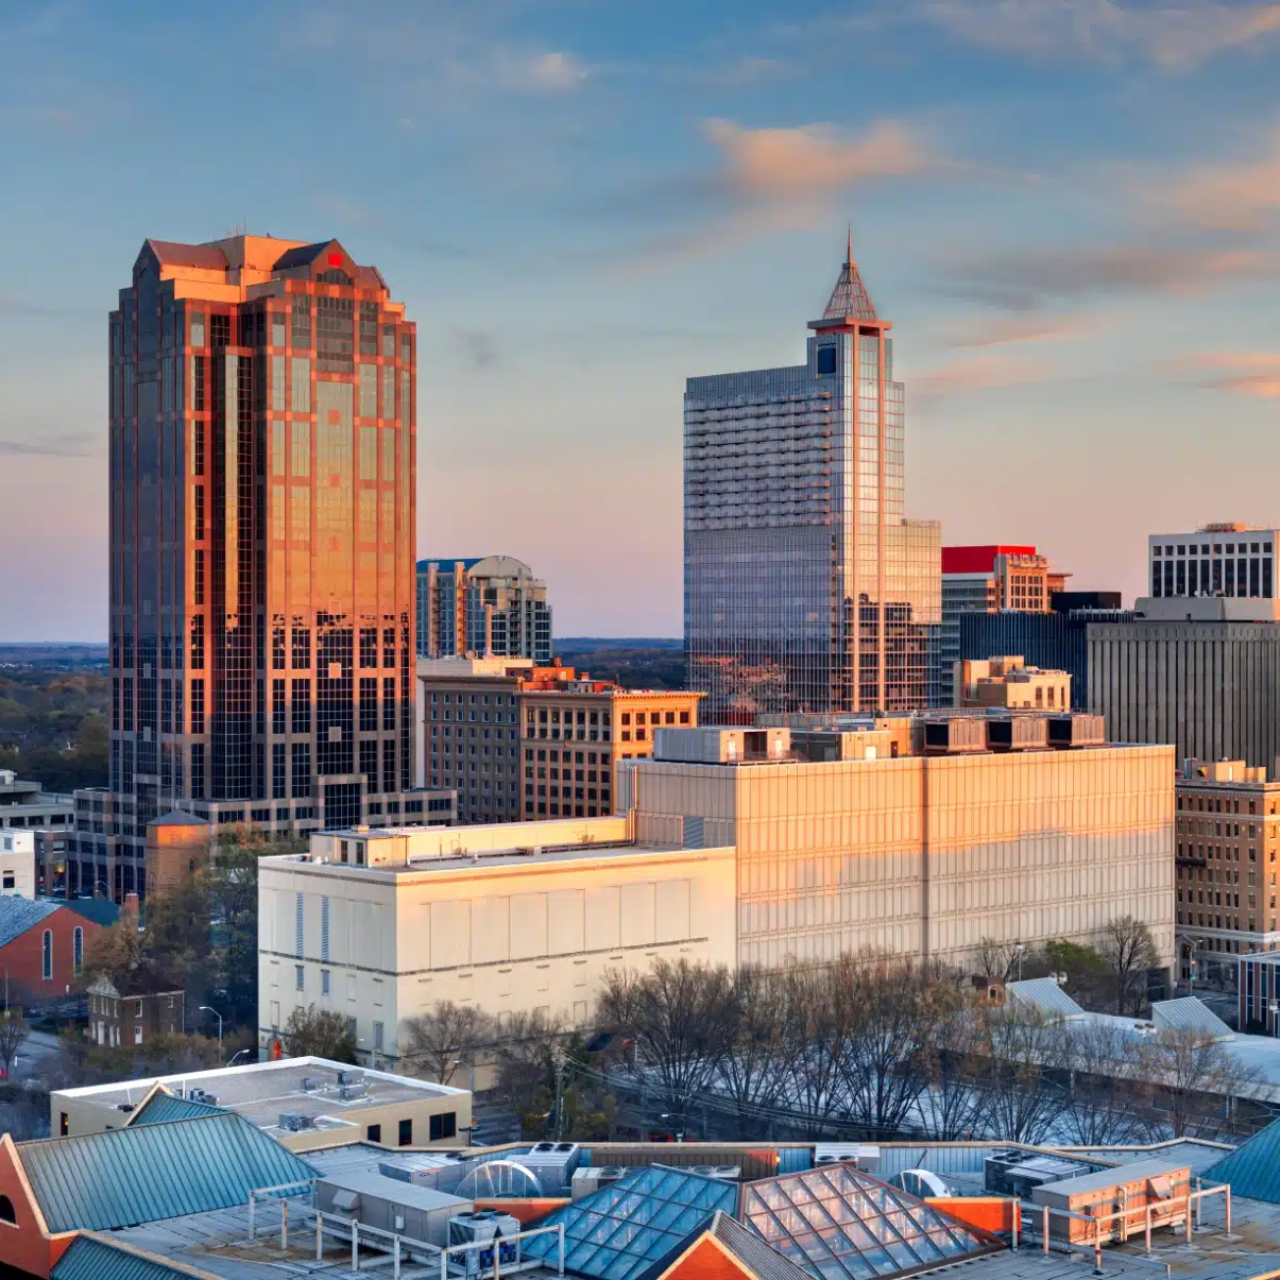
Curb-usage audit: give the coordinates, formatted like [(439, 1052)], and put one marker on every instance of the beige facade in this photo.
[(519, 742), (514, 917), (1228, 821), (1007, 682), (926, 855)]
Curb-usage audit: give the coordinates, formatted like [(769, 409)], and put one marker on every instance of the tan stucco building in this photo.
[(1007, 682)]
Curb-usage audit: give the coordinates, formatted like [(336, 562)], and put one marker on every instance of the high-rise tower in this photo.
[(805, 588), (262, 438)]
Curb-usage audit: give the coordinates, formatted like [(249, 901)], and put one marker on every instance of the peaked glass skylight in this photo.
[(624, 1230), (838, 1223), (849, 298)]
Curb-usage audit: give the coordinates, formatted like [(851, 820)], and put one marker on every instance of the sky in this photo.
[(1070, 210)]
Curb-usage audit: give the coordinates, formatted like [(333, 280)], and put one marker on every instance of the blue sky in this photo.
[(1069, 209)]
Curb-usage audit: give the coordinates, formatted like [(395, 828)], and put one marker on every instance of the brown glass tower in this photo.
[(262, 439)]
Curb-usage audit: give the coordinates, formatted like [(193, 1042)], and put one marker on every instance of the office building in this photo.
[(491, 606), (916, 836), (989, 579), (1068, 601), (1008, 683), (262, 489), (18, 864), (24, 806), (1228, 821), (1217, 560), (518, 741), (805, 587)]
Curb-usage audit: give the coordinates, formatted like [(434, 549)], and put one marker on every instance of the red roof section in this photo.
[(978, 559)]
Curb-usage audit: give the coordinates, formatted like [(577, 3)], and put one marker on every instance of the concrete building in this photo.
[(1234, 560), (515, 917), (18, 864), (495, 731), (989, 579), (806, 589), (136, 1011), (328, 1104), (1008, 682), (920, 836), (24, 806), (1228, 822), (262, 491), (490, 606)]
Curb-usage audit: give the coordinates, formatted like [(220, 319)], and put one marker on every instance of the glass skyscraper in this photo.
[(805, 587), (262, 439)]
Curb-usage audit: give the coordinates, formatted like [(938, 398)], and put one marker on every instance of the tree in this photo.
[(13, 1031), (1023, 1055), (1130, 951), (114, 953), (953, 1105), (1103, 1096), (678, 1018), (997, 961), (1195, 1084), (438, 1042), (818, 1021), (749, 1074), (1088, 976), (319, 1033)]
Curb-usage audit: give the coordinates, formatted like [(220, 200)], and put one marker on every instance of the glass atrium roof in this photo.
[(626, 1230), (838, 1223)]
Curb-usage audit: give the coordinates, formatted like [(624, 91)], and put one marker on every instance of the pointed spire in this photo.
[(849, 299)]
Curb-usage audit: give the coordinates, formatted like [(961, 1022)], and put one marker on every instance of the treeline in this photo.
[(53, 726)]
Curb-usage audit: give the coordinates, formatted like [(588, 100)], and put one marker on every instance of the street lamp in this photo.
[(206, 1008), (1019, 950)]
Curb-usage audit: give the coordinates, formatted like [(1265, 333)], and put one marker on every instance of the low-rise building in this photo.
[(1228, 822), (1008, 682), (42, 946), (524, 742), (301, 1102), (18, 864), (135, 1010), (23, 806)]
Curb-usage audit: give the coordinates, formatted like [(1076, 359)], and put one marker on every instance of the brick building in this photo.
[(135, 1010), (42, 947)]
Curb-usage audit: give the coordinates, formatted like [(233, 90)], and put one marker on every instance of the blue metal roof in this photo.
[(142, 1173), (631, 1228), (1253, 1170), (17, 915), (91, 1259), (163, 1106)]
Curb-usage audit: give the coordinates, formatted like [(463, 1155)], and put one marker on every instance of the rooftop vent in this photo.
[(295, 1121)]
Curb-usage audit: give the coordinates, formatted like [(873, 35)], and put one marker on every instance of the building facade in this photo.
[(262, 464), (519, 742), (42, 948), (990, 579), (1228, 822), (1217, 560), (919, 836), (18, 876), (136, 1012), (1007, 682), (806, 589), (492, 606)]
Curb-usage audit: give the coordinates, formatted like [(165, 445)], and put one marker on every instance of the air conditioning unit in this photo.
[(486, 1228), (308, 1084), (553, 1164), (864, 1156), (295, 1121), (592, 1178), (353, 1089)]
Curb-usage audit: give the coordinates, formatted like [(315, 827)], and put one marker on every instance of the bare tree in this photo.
[(523, 1051), (678, 1018), (953, 1104), (884, 1065), (13, 1031), (1023, 1054), (818, 1022), (1103, 1096), (438, 1042), (996, 961), (1195, 1084), (749, 1074), (1130, 951)]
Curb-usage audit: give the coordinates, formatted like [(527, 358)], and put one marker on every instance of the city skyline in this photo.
[(1067, 211)]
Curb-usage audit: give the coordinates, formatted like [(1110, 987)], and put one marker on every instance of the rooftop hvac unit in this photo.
[(308, 1084), (486, 1228), (865, 1156), (553, 1164), (295, 1121), (724, 1172), (202, 1095), (591, 1178), (353, 1089), (1015, 1173)]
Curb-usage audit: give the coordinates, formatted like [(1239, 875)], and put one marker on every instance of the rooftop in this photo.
[(262, 1091)]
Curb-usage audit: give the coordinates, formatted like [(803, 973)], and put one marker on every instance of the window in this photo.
[(373, 1133), (137, 1008), (406, 1131), (826, 360), (64, 1128), (6, 1205), (377, 1027), (137, 1035), (299, 977), (444, 1126), (7, 880), (324, 982), (46, 956)]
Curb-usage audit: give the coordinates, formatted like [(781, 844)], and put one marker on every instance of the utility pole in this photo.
[(557, 1057)]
